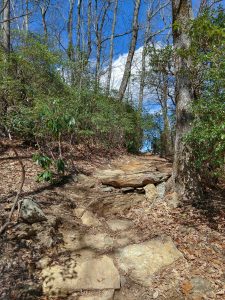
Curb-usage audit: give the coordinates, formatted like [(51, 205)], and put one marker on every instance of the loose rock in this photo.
[(151, 192), (31, 212)]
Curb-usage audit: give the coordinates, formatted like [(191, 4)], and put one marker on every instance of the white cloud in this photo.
[(133, 87)]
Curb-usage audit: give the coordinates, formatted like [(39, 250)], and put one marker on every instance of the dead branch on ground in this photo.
[(9, 220)]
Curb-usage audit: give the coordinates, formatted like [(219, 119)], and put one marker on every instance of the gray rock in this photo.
[(200, 286), (31, 212), (161, 189), (107, 189)]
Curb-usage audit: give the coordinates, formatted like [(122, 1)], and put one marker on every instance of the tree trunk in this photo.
[(184, 177), (44, 9), (143, 63), (89, 30), (26, 17), (99, 24), (79, 2), (6, 26), (166, 135), (127, 70), (70, 50), (111, 48)]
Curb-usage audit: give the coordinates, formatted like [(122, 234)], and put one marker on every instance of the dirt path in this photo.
[(114, 235)]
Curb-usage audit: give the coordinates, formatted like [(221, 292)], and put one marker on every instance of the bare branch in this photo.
[(9, 220)]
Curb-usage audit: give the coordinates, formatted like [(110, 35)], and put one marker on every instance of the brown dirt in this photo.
[(198, 232)]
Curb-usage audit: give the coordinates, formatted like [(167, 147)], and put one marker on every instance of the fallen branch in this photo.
[(9, 220)]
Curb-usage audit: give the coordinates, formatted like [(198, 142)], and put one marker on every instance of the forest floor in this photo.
[(113, 232)]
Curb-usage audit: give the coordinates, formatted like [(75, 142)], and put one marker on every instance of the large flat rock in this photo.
[(119, 179), (93, 274), (142, 261)]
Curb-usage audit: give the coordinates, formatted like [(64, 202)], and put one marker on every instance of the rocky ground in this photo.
[(114, 234)]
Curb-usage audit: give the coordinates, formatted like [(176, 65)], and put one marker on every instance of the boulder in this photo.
[(151, 192), (93, 274), (31, 212), (161, 190), (134, 178), (142, 261)]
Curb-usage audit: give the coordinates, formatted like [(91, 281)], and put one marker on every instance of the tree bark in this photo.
[(6, 26), (79, 2), (89, 30), (99, 24), (184, 177), (44, 9), (111, 48), (166, 134), (70, 50), (26, 17), (127, 70), (143, 63)]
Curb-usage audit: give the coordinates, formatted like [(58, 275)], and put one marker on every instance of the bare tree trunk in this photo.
[(143, 63), (166, 135), (6, 26), (111, 47), (89, 30), (184, 177), (26, 17), (70, 50), (127, 70), (44, 9), (99, 24), (79, 2)]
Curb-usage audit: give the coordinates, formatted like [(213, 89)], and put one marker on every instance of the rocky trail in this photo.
[(116, 234)]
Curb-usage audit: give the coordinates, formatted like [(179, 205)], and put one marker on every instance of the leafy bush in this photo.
[(40, 105), (207, 137)]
